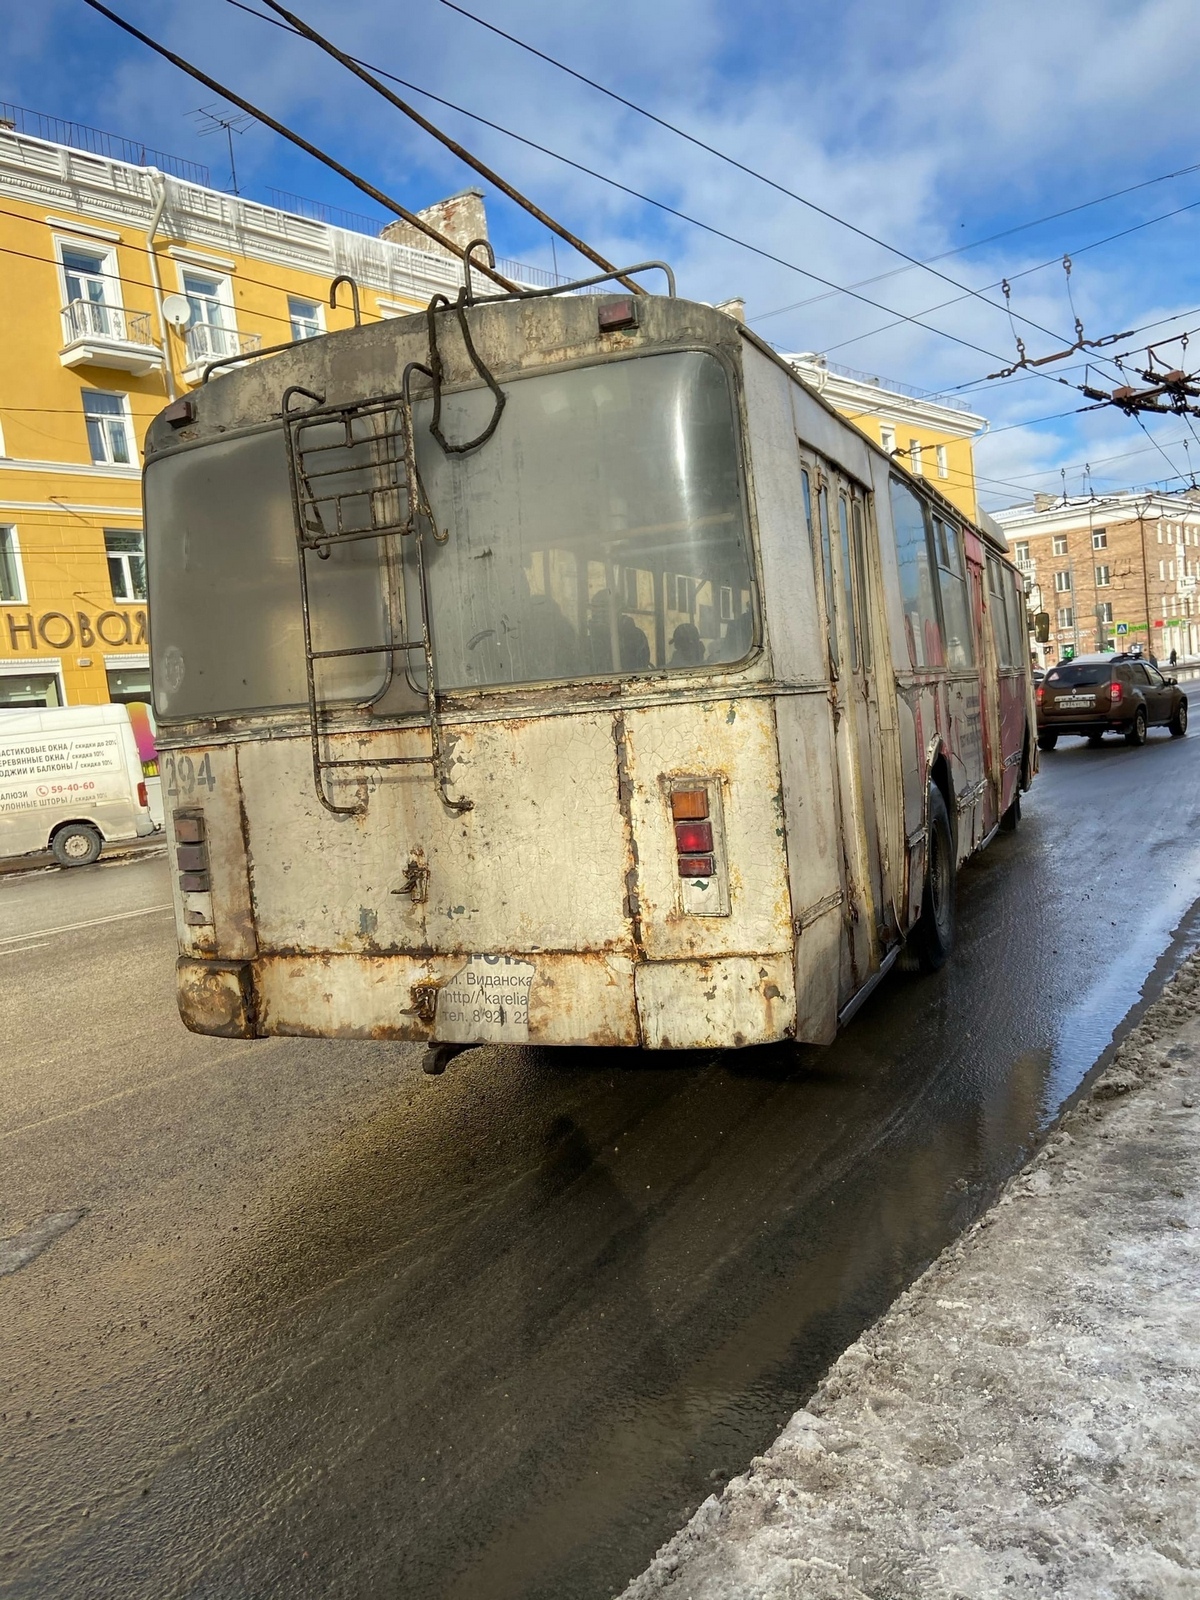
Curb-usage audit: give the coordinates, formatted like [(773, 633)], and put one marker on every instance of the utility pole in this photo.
[(1145, 572)]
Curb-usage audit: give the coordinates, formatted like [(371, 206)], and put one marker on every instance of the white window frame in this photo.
[(1021, 552), (224, 297), (1066, 617), (134, 462), (914, 458), (1059, 547), (37, 667), (110, 272), (1103, 577), (132, 598), (22, 596), (318, 315), (887, 438), (1106, 612), (1062, 582), (943, 463), (1099, 538)]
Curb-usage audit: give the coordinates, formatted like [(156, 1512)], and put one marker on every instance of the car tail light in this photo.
[(1115, 694), (191, 855), (143, 797), (1041, 694)]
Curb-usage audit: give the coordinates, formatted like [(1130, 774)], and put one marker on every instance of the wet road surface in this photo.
[(289, 1318)]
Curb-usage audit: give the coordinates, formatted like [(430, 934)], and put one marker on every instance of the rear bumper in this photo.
[(1085, 725), (549, 998)]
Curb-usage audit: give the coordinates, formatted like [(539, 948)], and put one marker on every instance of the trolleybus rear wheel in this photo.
[(933, 937), (76, 845)]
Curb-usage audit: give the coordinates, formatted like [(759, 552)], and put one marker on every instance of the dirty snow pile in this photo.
[(1025, 1420)]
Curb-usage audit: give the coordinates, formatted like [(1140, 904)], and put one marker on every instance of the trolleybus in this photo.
[(562, 669)]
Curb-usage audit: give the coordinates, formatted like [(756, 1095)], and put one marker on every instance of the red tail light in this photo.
[(694, 838), (143, 797), (1041, 694), (696, 866), (1115, 694)]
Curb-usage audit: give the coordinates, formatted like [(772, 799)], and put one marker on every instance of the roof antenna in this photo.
[(210, 120)]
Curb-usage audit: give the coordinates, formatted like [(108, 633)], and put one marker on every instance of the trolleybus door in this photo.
[(838, 526)]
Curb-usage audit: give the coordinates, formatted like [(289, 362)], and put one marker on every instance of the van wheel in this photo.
[(1178, 723), (76, 845), (933, 937), (1047, 741), (1137, 728)]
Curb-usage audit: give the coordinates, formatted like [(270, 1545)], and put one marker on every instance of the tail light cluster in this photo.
[(191, 857), (1114, 693), (693, 833), (143, 796), (1041, 693)]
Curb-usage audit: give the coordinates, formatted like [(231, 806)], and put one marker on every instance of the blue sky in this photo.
[(931, 126)]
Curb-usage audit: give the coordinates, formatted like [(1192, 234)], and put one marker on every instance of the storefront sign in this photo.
[(59, 630)]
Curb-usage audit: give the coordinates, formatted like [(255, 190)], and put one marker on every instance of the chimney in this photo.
[(1044, 502), (461, 218), (735, 308)]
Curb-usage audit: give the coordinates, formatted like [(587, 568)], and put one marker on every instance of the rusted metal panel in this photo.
[(203, 781), (730, 744), (539, 863), (728, 1002), (216, 997), (574, 999)]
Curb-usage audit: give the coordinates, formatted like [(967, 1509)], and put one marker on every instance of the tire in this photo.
[(76, 845), (1137, 728), (932, 939), (1047, 741), (1178, 723), (1095, 740)]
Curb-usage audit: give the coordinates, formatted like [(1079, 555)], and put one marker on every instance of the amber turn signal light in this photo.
[(689, 805)]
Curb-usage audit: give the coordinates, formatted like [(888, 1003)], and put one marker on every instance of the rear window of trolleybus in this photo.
[(600, 531)]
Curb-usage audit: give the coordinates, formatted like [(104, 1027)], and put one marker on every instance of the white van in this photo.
[(70, 781)]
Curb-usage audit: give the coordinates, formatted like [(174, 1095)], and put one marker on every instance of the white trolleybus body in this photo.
[(659, 716)]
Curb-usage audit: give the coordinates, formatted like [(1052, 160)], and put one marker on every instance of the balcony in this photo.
[(207, 342), (98, 335)]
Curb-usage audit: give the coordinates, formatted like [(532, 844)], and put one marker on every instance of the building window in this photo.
[(943, 465), (86, 274), (1104, 611), (1100, 539), (1066, 617), (1060, 544), (210, 334), (126, 554), (1021, 552), (1062, 582), (306, 318), (129, 685), (914, 456), (12, 581), (1102, 577), (887, 437), (1162, 572), (108, 428), (30, 691)]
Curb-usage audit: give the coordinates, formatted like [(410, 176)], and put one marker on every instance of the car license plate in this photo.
[(1075, 702)]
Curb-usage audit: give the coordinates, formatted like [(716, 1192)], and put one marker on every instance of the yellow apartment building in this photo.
[(932, 437), (125, 273)]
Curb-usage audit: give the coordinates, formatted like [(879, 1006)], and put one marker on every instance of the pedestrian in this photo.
[(1174, 656)]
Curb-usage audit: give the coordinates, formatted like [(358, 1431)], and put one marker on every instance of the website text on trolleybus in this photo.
[(605, 688)]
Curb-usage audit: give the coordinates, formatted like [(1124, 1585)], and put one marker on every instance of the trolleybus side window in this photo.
[(922, 625), (956, 606), (848, 580), (827, 563), (860, 566), (600, 530), (820, 564), (998, 611)]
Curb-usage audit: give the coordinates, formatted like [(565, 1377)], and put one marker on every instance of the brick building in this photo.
[(1112, 572)]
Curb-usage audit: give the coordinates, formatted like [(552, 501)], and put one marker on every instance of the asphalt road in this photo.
[(307, 1323)]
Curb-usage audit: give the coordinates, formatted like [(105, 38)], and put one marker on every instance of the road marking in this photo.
[(20, 949), (95, 922)]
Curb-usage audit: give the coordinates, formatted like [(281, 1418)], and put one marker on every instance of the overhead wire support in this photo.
[(304, 144), (369, 78), (1025, 362)]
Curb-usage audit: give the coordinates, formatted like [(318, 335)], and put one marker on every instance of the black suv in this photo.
[(1100, 694)]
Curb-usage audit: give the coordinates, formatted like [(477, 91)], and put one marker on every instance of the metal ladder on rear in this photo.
[(354, 476)]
